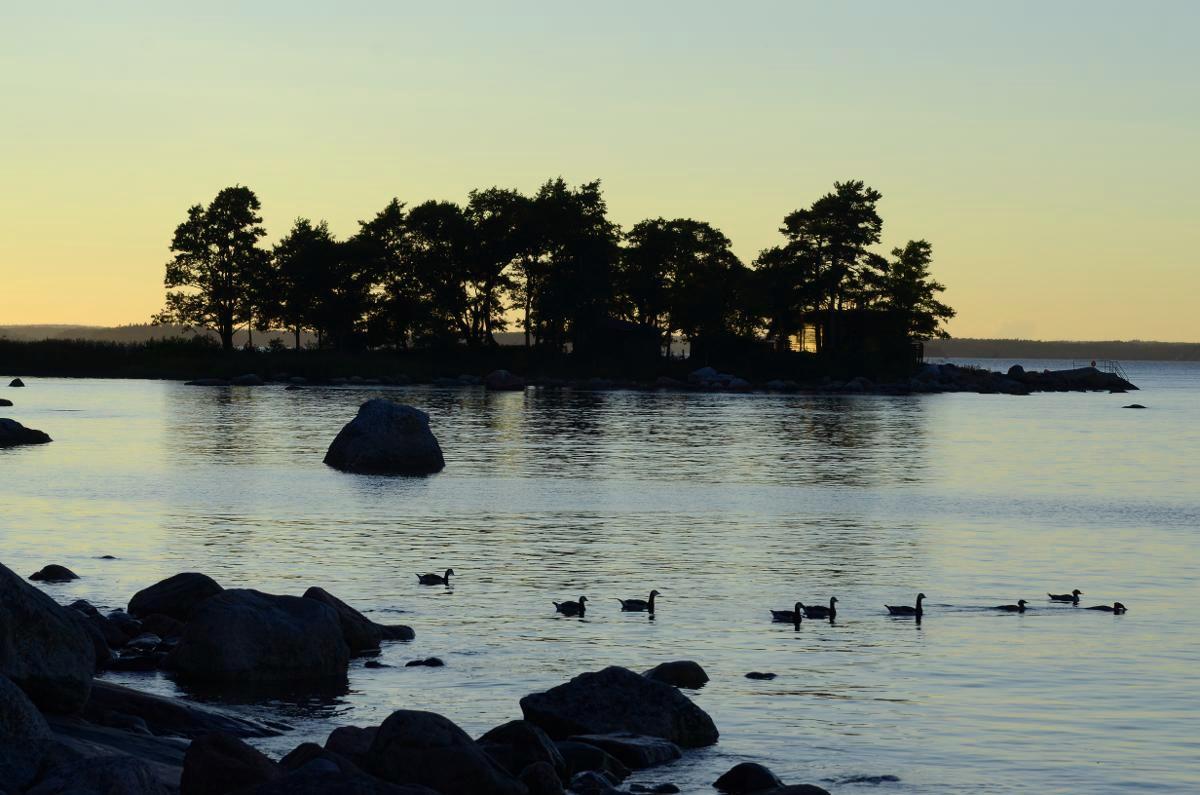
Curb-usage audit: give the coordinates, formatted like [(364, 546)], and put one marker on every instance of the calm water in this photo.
[(728, 504)]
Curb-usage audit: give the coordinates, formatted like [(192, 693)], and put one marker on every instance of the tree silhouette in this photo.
[(907, 289), (217, 263), (303, 260)]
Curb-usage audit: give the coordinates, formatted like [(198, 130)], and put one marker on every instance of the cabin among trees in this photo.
[(440, 275)]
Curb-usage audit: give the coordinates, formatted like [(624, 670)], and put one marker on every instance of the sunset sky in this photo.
[(1049, 151)]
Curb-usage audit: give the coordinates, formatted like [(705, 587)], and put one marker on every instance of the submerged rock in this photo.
[(13, 433), (428, 662), (503, 381), (242, 635), (1134, 406), (54, 573), (619, 700), (43, 649), (386, 438), (634, 751), (426, 749), (175, 596), (761, 675)]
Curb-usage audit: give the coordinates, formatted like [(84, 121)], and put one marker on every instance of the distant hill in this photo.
[(1128, 350)]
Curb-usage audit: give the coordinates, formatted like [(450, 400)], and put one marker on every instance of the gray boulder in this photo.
[(108, 775), (242, 635), (747, 777), (503, 381), (619, 700), (54, 573), (23, 736), (386, 438), (13, 433), (426, 749), (175, 596), (361, 634), (679, 673), (42, 648)]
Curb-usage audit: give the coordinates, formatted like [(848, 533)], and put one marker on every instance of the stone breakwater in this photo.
[(63, 731)]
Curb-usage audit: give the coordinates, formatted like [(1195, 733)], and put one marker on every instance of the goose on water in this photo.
[(572, 608), (1115, 607), (1072, 597), (908, 610), (793, 616), (817, 611), (1019, 607), (435, 579), (639, 605)]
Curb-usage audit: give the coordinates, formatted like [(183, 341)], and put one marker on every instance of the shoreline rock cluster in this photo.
[(62, 731), (929, 378)]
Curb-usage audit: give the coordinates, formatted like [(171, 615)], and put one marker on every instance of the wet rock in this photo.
[(144, 643), (634, 751), (518, 744), (619, 700), (162, 625), (428, 662), (249, 379), (761, 675), (16, 382), (503, 381), (680, 673), (654, 789), (136, 661), (5, 402), (361, 634), (175, 596), (873, 780), (43, 649), (216, 764), (427, 749), (375, 664), (539, 778), (127, 625), (591, 782), (13, 433), (23, 736), (106, 775), (242, 635), (796, 789), (85, 607), (583, 756), (386, 438), (1134, 406), (171, 716), (747, 777), (54, 573)]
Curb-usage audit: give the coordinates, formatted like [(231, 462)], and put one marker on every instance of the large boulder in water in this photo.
[(361, 633), (426, 749), (16, 382), (53, 572), (175, 596), (747, 777), (42, 648), (619, 700), (386, 438), (13, 433), (241, 635)]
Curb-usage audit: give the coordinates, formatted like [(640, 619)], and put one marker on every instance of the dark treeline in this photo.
[(1081, 351), (555, 268)]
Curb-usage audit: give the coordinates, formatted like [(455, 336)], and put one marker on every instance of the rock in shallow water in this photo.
[(680, 673), (54, 573), (619, 700), (175, 596), (13, 433), (634, 750), (242, 635), (747, 777), (386, 438), (361, 634)]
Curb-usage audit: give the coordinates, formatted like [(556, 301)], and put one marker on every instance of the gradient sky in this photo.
[(1047, 150)]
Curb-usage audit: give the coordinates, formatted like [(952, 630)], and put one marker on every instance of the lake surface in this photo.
[(729, 505)]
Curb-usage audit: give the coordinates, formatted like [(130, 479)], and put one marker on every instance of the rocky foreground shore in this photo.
[(929, 378), (64, 731)]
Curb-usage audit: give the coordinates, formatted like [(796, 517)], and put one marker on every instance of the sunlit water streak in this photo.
[(728, 504)]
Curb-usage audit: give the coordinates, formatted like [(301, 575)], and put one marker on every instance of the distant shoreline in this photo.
[(1015, 349)]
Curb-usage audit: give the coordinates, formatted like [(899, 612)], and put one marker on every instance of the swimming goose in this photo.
[(1116, 607), (639, 605), (908, 610), (434, 579), (817, 611), (793, 616), (572, 608), (1072, 597), (1019, 607)]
